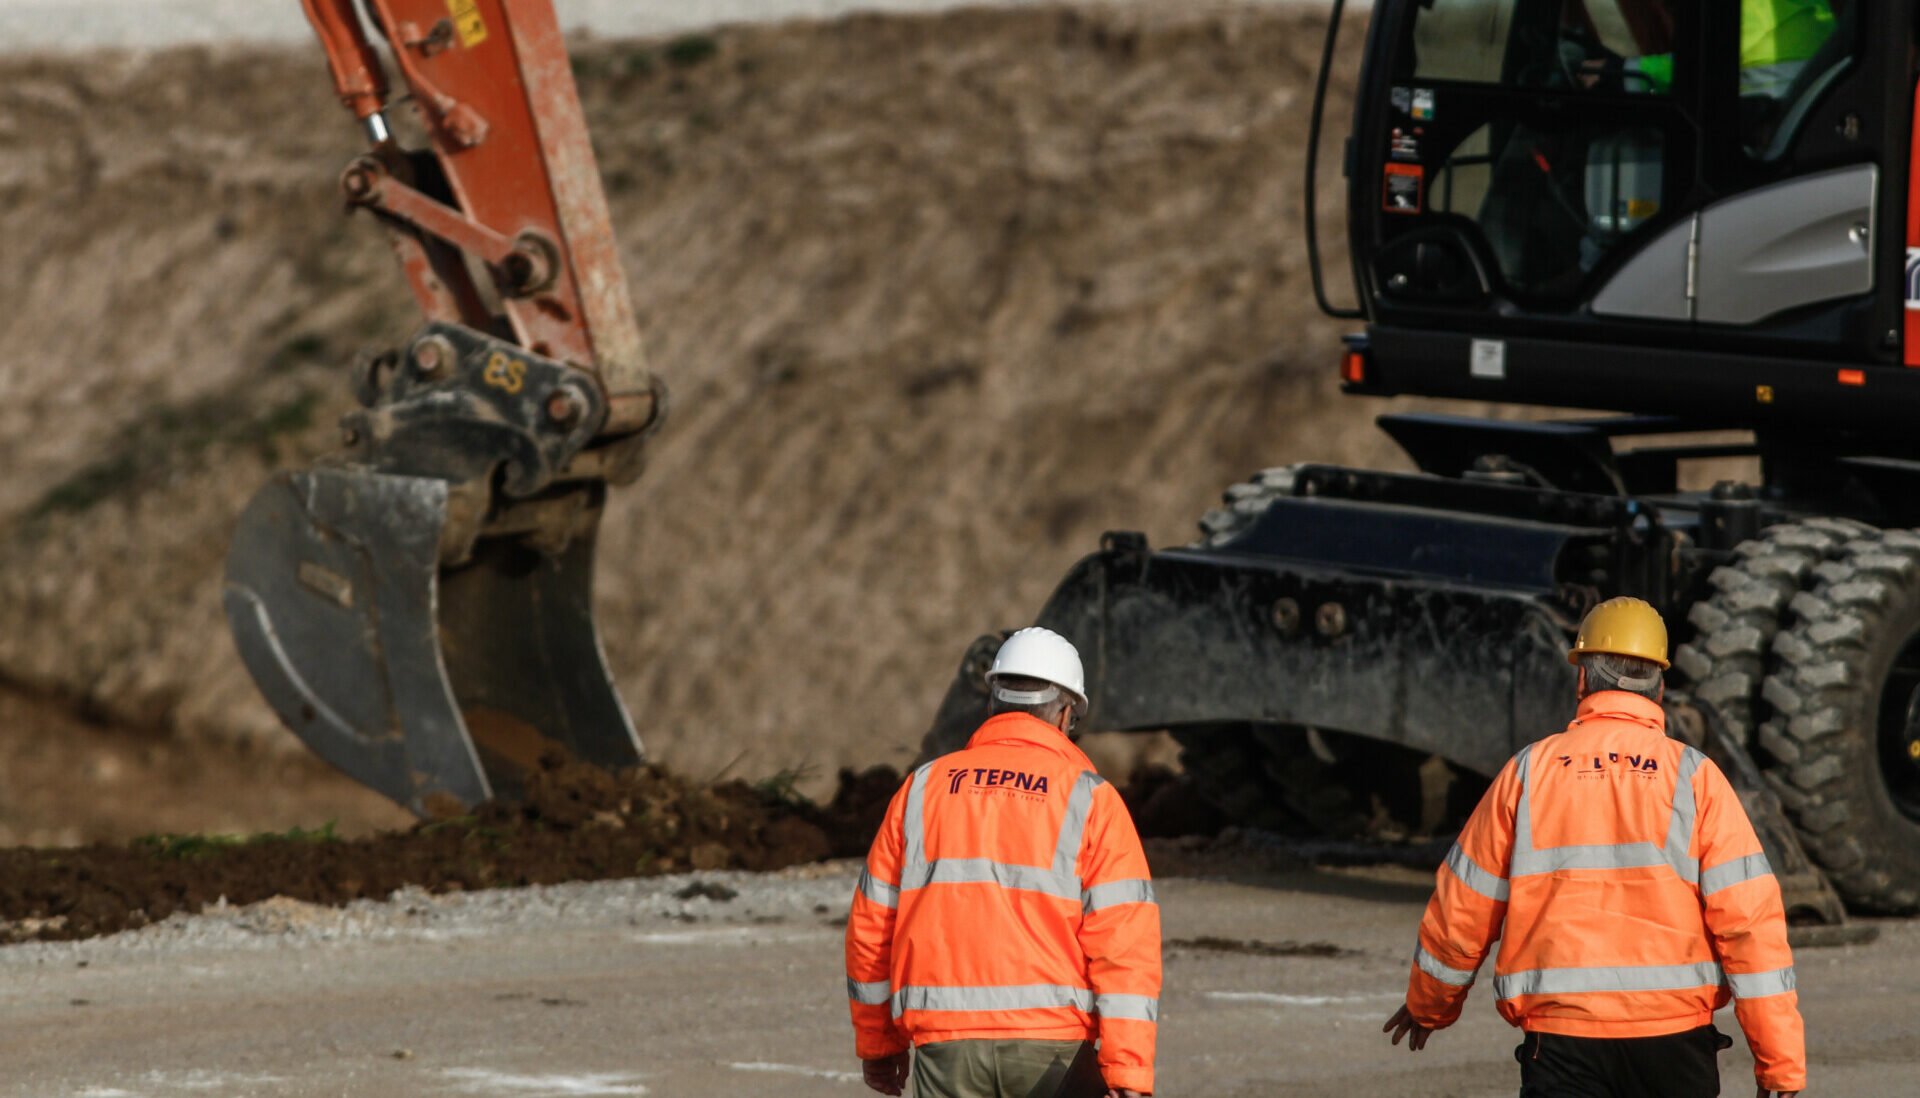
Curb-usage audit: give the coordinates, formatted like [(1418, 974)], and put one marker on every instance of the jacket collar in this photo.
[(1026, 730), (1620, 706)]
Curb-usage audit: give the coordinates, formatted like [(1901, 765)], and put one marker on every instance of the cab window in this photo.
[(1574, 45), (1790, 52), (1552, 195)]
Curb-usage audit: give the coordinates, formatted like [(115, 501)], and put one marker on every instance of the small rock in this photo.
[(710, 890)]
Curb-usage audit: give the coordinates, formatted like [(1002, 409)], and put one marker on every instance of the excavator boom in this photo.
[(418, 607)]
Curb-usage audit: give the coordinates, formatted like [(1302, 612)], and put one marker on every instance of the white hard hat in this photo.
[(1043, 654)]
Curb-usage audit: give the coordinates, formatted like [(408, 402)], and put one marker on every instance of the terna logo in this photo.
[(987, 777), (1642, 765)]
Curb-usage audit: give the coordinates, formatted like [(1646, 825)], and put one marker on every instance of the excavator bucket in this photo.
[(438, 688)]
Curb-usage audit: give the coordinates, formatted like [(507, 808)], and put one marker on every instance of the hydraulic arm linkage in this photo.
[(417, 607)]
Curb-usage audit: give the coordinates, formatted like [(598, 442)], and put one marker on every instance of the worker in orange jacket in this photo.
[(1631, 895), (1005, 918)]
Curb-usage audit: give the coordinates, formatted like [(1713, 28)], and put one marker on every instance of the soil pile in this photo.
[(940, 299), (576, 823)]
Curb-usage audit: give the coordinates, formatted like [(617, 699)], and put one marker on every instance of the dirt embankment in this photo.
[(940, 300)]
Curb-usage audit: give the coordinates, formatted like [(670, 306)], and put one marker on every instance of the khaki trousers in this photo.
[(1007, 1069)]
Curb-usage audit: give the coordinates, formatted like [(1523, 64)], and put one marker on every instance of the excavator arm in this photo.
[(417, 607)]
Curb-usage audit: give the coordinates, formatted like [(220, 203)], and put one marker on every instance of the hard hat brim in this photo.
[(1079, 700), (1574, 654)]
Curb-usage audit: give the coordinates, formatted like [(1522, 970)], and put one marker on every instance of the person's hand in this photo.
[(1123, 1092), (888, 1075), (1403, 1025), (1765, 1093)]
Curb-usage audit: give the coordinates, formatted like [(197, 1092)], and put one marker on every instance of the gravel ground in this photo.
[(715, 984), (803, 893)]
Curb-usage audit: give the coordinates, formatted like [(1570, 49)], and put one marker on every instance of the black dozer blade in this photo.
[(437, 687)]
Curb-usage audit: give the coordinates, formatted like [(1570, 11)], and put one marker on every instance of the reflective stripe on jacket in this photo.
[(1006, 896), (1629, 890)]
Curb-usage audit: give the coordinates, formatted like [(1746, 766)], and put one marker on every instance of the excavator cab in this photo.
[(1584, 175), (418, 607)]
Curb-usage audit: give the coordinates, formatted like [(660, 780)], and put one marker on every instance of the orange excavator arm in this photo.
[(495, 91), (418, 607)]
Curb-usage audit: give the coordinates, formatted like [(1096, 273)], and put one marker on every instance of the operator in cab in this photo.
[(1630, 894), (1005, 919)]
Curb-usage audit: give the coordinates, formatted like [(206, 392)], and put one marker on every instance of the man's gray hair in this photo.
[(1606, 671), (1020, 694)]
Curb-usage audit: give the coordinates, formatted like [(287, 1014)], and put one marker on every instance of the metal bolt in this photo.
[(565, 405), (1286, 616), (433, 355), (531, 265), (1330, 619), (357, 182)]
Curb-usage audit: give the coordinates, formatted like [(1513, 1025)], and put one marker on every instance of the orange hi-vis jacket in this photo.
[(1007, 897), (1628, 890)]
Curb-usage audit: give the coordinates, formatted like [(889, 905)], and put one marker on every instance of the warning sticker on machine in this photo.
[(467, 21), (1404, 189), (1487, 358), (1404, 142)]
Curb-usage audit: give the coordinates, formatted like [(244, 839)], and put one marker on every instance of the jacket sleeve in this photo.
[(870, 940), (1740, 900), (1120, 935), (1468, 907)]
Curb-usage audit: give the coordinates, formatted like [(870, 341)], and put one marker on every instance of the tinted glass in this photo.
[(1573, 45)]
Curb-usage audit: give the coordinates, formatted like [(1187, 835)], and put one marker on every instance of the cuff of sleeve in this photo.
[(879, 1046), (1791, 1083), (1129, 1078)]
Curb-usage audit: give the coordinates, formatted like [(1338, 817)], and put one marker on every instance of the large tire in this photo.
[(1727, 660), (1327, 784), (1267, 777), (1848, 666)]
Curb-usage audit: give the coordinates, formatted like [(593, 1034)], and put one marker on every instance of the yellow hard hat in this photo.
[(1622, 627)]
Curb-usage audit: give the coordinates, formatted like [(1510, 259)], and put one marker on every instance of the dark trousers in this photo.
[(1676, 1065)]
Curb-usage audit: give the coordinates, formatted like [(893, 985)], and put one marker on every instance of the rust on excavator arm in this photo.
[(418, 608)]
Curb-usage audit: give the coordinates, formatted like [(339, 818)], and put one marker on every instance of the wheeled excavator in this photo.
[(1700, 217), (417, 607), (1594, 204)]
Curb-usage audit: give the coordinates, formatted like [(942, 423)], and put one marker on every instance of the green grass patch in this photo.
[(783, 787), (189, 847)]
